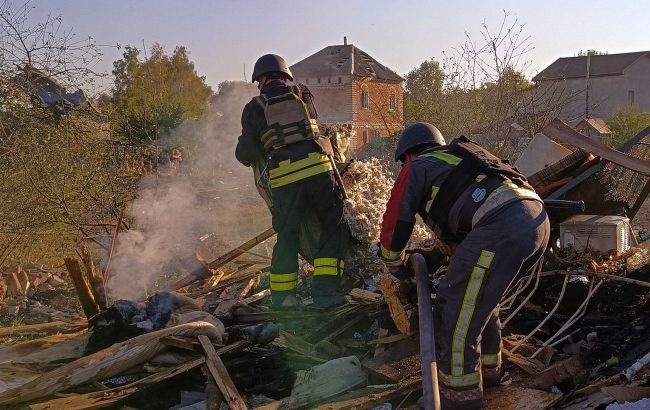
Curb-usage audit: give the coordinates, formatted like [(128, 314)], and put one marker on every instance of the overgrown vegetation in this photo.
[(627, 122)]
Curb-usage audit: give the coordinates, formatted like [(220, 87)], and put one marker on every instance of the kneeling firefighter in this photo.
[(485, 207), (280, 139)]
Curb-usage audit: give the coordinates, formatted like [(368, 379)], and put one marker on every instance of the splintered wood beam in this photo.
[(86, 298), (559, 130), (94, 279), (51, 327), (108, 398), (241, 249), (389, 286), (221, 377)]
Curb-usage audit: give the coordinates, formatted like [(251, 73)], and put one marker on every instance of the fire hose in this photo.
[(418, 266)]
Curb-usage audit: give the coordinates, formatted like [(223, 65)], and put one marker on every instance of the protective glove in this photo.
[(396, 267)]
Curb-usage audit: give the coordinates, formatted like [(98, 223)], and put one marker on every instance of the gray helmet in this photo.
[(271, 63), (420, 133)]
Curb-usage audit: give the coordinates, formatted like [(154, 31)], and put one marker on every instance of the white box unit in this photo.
[(601, 233)]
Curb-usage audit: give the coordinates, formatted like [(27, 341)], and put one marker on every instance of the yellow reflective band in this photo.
[(300, 175), (443, 156), (390, 255), (283, 286), (466, 380), (480, 177), (467, 311), (491, 359), (327, 270), (287, 165), (328, 262), (486, 259), (283, 277), (434, 192)]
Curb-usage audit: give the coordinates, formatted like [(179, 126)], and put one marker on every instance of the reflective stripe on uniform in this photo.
[(390, 255), (288, 172), (283, 281), (434, 192), (504, 193), (471, 379), (467, 311), (491, 360), (328, 266), (443, 156)]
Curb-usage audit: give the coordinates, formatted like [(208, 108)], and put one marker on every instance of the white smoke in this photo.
[(209, 206)]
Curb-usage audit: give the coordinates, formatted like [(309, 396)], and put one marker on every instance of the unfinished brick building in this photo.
[(350, 87)]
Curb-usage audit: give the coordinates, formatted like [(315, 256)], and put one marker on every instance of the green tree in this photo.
[(627, 122), (156, 94)]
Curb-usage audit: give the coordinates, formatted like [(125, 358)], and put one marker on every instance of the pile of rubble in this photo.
[(22, 286)]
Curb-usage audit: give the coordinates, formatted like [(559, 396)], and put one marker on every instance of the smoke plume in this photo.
[(205, 204)]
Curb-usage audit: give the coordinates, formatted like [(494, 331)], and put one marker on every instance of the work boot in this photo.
[(284, 300), (491, 376), (327, 301)]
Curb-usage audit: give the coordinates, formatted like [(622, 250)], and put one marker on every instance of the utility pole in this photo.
[(587, 94)]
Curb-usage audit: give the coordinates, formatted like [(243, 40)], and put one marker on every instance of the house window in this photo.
[(365, 137), (630, 97), (318, 80), (329, 80), (392, 102), (339, 80), (364, 99)]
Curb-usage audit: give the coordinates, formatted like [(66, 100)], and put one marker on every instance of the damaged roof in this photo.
[(596, 123), (343, 60), (600, 65)]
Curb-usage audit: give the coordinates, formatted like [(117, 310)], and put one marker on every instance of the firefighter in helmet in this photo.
[(485, 207), (279, 131)]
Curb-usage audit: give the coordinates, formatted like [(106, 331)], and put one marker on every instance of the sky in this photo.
[(225, 37)]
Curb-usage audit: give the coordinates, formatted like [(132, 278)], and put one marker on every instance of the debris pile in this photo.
[(576, 335), (368, 183), (22, 289)]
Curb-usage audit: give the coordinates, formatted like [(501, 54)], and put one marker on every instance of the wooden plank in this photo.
[(51, 327), (390, 339), (559, 130), (298, 345), (221, 377), (256, 297), (370, 397), (232, 296), (225, 258), (86, 298), (396, 363), (575, 182), (241, 249), (183, 342)]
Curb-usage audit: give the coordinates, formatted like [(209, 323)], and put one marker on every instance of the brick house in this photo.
[(615, 81), (350, 87)]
